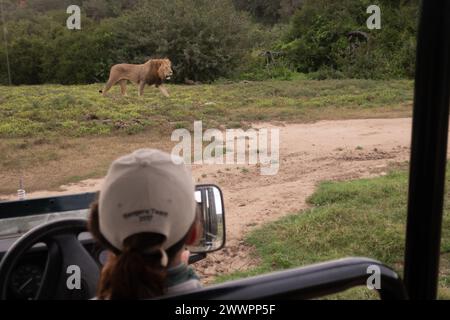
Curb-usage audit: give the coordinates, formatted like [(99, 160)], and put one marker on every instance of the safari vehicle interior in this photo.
[(39, 273), (34, 266)]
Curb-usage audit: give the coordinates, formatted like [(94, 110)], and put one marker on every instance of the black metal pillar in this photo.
[(428, 151)]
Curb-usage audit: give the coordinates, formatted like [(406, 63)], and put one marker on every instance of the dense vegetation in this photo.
[(316, 39), (208, 39)]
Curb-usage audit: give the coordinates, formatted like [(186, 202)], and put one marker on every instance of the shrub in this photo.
[(325, 73), (255, 68), (317, 40), (205, 39)]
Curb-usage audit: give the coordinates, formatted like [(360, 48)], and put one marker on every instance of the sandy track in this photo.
[(309, 154)]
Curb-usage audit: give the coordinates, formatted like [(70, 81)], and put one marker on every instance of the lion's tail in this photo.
[(101, 91)]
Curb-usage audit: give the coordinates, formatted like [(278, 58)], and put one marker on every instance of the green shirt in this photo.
[(182, 278)]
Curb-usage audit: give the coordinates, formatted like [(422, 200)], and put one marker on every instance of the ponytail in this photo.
[(131, 273)]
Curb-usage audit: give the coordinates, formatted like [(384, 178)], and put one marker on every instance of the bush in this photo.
[(208, 39), (205, 39), (325, 73), (317, 40), (317, 35), (42, 50), (254, 67), (269, 11), (79, 57)]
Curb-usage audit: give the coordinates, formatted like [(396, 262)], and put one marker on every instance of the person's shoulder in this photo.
[(182, 278), (186, 286)]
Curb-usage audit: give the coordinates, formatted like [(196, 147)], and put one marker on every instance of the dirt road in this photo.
[(309, 154)]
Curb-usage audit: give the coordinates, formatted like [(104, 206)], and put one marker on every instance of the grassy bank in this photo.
[(78, 111), (355, 218)]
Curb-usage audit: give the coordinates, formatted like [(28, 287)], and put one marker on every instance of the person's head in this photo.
[(145, 215)]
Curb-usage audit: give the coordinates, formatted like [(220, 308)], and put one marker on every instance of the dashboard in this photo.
[(26, 277)]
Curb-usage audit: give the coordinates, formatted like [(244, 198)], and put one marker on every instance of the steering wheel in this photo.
[(66, 260)]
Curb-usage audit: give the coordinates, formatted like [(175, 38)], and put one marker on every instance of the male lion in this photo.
[(153, 72)]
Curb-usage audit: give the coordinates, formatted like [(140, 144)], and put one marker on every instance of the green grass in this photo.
[(355, 218), (56, 110)]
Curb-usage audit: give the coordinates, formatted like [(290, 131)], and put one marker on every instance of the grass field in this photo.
[(355, 218), (78, 111), (54, 135)]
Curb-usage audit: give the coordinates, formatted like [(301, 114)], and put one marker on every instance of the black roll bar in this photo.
[(428, 151), (307, 282)]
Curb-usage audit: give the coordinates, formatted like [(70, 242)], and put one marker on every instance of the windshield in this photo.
[(12, 227), (300, 111)]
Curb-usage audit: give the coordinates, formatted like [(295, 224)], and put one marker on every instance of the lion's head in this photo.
[(165, 71)]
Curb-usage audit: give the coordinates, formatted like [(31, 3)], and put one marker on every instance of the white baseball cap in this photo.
[(147, 191)]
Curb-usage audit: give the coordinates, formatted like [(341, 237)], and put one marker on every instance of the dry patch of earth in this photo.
[(309, 154)]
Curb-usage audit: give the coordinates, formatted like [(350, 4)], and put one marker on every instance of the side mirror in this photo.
[(211, 214)]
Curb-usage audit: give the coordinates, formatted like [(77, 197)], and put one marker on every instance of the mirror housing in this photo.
[(211, 217)]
